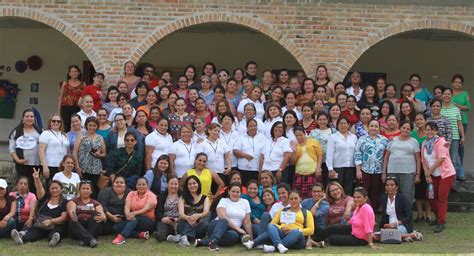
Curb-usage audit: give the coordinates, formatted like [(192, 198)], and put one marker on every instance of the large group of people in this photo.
[(275, 161)]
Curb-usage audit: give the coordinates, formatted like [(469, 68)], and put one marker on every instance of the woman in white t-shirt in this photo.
[(276, 153), (217, 151), (183, 152), (157, 143), (232, 222), (53, 146), (247, 149), (69, 179)]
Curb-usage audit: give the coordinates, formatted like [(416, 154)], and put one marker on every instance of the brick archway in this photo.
[(61, 26), (383, 34), (246, 21)]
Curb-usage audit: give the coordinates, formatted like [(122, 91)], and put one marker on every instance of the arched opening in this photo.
[(435, 54), (227, 45), (21, 38)]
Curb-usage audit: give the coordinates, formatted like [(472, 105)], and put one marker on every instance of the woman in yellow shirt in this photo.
[(204, 175), (288, 229), (308, 159)]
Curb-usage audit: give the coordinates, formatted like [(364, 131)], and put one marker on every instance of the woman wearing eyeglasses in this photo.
[(125, 161), (439, 171), (250, 112), (53, 146), (360, 230), (86, 216), (104, 126)]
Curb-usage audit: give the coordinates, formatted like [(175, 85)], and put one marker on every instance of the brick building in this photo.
[(300, 34)]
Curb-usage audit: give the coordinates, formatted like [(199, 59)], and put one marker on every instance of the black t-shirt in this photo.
[(52, 211), (8, 206)]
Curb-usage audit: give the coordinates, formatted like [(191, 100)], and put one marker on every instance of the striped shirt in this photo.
[(454, 115)]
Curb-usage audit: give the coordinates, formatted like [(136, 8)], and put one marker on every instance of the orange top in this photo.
[(138, 202)]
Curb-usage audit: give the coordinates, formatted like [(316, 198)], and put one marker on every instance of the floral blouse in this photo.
[(369, 153)]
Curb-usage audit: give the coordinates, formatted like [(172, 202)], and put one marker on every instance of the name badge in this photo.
[(288, 217)]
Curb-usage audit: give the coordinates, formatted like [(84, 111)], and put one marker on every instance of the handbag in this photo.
[(39, 222), (104, 180), (390, 236)]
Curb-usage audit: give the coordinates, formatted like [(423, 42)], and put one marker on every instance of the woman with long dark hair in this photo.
[(70, 94), (51, 216), (23, 147), (166, 212), (193, 209)]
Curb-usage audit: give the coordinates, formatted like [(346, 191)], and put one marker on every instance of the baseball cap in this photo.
[(3, 183)]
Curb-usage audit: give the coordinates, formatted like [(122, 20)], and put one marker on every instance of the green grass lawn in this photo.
[(458, 238)]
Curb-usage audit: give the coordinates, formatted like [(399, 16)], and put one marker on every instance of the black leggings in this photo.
[(34, 234), (340, 234)]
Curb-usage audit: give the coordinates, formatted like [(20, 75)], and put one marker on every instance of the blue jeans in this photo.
[(292, 240), (220, 232), (198, 231), (456, 159), (5, 232), (261, 229), (461, 147), (131, 228)]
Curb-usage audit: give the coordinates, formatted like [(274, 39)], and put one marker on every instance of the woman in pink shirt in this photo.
[(139, 213), (439, 171), (360, 230), (26, 203)]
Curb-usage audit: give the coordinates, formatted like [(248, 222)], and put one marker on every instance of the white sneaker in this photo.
[(268, 248), (281, 248), (173, 238), (245, 238), (248, 244), (418, 235), (16, 236), (183, 241), (54, 239)]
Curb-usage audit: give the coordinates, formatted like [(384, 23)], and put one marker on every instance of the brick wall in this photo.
[(112, 32)]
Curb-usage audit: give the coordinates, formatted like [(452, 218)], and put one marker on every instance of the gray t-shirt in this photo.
[(402, 155)]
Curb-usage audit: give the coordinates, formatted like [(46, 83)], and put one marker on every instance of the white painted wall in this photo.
[(435, 61), (57, 53)]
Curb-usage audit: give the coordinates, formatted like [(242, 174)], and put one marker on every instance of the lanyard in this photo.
[(252, 144), (272, 147), (188, 149), (213, 148), (59, 138), (227, 138)]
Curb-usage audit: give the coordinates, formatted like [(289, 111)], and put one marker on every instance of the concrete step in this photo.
[(461, 206), (6, 169)]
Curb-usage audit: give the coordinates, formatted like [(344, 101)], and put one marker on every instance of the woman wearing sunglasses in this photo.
[(53, 146)]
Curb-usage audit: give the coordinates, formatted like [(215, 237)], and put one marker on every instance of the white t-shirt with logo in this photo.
[(70, 185)]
